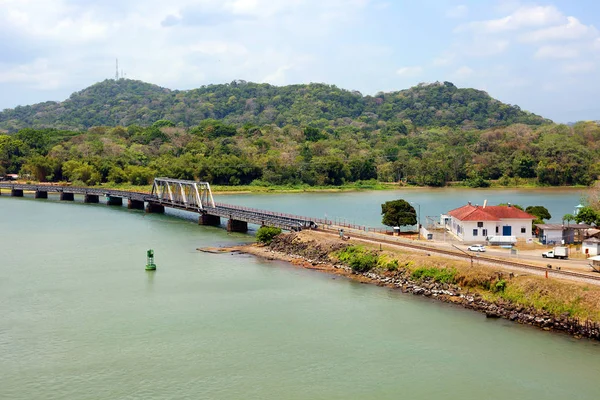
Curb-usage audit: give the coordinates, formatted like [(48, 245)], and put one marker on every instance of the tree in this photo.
[(313, 134), (587, 215), (512, 205), (265, 234), (539, 211), (398, 213), (163, 123), (568, 218)]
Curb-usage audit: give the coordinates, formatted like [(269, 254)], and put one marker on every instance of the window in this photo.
[(523, 229), (484, 232), (480, 224), (475, 232), (496, 229)]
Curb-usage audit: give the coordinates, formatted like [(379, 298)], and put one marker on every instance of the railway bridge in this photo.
[(179, 194)]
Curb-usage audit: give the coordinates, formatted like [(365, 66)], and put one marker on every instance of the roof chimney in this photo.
[(509, 205), (469, 203), (484, 203)]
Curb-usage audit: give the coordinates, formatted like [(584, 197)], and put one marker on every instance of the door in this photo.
[(506, 230)]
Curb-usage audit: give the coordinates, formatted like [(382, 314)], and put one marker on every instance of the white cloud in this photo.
[(460, 11), (37, 75), (278, 77), (523, 17), (545, 52), (484, 48), (48, 21), (217, 47), (579, 68), (573, 29), (447, 58), (410, 71), (463, 72), (203, 41)]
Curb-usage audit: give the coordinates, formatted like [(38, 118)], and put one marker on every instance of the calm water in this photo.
[(81, 319), (364, 208)]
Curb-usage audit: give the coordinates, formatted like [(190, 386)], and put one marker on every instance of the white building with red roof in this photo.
[(475, 223)]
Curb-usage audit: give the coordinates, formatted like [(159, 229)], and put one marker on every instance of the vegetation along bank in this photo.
[(549, 304)]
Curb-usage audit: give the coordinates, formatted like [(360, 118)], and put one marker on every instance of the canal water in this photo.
[(80, 318), (364, 208)]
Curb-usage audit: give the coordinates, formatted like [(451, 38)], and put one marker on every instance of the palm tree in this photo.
[(568, 218)]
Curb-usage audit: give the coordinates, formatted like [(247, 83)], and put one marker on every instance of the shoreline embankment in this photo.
[(551, 305)]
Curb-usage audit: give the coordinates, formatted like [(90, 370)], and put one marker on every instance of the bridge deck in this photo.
[(250, 215)]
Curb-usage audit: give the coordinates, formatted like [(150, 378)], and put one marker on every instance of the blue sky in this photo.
[(543, 56)]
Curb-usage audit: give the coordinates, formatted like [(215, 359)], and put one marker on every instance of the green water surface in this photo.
[(80, 318)]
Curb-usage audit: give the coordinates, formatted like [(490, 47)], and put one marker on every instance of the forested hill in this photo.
[(128, 102)]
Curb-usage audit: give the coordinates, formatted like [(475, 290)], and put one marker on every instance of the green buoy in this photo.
[(150, 266)]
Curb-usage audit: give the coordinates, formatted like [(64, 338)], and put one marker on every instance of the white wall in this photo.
[(553, 235), (466, 231), (517, 224), (467, 228), (592, 249)]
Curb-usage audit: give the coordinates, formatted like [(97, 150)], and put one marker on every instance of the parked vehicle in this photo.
[(557, 252), (476, 247)]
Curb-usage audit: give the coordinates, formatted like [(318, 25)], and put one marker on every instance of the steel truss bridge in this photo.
[(172, 193)]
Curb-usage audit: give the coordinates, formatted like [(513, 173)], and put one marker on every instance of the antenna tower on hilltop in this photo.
[(117, 71)]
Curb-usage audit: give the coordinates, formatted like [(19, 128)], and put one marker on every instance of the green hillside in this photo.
[(128, 102)]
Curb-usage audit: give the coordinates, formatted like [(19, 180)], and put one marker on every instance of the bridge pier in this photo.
[(16, 192), (155, 208), (211, 220), (67, 196), (91, 198), (114, 201), (39, 194), (233, 225), (135, 204)]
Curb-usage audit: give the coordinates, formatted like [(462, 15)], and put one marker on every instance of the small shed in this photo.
[(591, 246), (561, 234), (592, 232)]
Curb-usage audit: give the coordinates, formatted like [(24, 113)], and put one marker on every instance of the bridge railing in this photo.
[(272, 213)]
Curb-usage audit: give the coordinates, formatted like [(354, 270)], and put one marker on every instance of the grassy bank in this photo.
[(557, 297), (365, 185), (350, 187)]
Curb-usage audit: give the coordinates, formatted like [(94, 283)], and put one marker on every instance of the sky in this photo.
[(542, 56)]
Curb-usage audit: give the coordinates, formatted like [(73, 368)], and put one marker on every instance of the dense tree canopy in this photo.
[(398, 213), (540, 212), (127, 102), (220, 153), (246, 133)]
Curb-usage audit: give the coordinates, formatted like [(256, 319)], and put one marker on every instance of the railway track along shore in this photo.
[(481, 259)]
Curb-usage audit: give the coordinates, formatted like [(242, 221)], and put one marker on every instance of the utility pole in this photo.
[(470, 255), (418, 220)]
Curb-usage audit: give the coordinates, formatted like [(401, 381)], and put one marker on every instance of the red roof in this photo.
[(489, 213)]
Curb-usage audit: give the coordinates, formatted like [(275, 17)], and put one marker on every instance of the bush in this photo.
[(265, 234), (441, 275), (499, 286), (392, 265), (358, 259), (477, 182)]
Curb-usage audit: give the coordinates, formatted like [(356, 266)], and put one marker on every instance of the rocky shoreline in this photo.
[(315, 255)]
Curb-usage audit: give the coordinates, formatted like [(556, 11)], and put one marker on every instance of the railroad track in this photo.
[(557, 273)]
